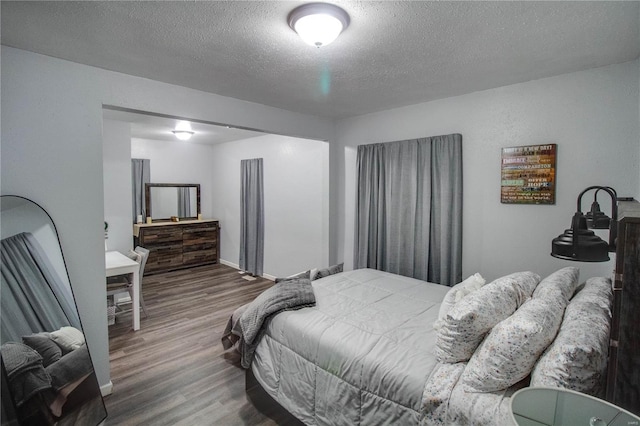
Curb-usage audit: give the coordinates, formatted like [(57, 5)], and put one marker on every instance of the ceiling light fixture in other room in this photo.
[(183, 131), (318, 24)]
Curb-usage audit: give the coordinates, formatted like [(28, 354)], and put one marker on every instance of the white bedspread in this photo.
[(362, 355)]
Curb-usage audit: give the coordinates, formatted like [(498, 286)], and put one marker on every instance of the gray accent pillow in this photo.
[(47, 348), (301, 275), (321, 273)]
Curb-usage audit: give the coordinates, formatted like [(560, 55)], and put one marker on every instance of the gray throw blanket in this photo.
[(25, 371), (248, 323)]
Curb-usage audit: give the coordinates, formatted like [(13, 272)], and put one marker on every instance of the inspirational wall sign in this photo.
[(529, 174)]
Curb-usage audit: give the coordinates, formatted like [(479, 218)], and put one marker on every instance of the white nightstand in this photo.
[(553, 406)]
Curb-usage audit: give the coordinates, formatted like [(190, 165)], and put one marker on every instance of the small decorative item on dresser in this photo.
[(175, 219), (199, 216), (149, 220), (139, 218)]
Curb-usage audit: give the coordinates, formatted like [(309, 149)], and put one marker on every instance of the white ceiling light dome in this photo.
[(318, 24), (183, 131)]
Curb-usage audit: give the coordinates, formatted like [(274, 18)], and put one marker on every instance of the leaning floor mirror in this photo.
[(47, 372)]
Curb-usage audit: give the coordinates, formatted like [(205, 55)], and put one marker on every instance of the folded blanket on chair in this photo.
[(248, 323), (25, 371)]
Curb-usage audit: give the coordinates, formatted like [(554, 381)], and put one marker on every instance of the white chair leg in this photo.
[(142, 304)]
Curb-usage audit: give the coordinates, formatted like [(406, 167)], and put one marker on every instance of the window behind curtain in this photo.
[(409, 208)]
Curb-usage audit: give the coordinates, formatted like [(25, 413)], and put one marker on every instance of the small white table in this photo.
[(540, 406), (119, 264)]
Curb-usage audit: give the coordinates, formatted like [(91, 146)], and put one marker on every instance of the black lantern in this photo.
[(596, 219), (579, 243)]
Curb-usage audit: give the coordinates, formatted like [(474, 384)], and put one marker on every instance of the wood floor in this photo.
[(173, 370)]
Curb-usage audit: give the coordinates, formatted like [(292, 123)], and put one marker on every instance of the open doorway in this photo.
[(175, 365), (296, 184)]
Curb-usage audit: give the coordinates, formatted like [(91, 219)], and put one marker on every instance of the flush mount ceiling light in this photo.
[(183, 131), (318, 24)]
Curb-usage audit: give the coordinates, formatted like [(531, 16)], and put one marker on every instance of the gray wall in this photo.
[(116, 155), (593, 117), (296, 201), (52, 153)]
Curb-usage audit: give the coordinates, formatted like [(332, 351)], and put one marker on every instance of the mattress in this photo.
[(362, 355)]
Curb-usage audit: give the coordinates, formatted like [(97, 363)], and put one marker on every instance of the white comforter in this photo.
[(363, 355)]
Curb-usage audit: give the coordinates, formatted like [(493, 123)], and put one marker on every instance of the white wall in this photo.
[(117, 184), (52, 153), (179, 162), (296, 197), (591, 115)]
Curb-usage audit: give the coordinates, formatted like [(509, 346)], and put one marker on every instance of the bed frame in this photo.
[(623, 374), (265, 404)]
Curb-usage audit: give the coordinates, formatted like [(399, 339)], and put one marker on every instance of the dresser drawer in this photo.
[(199, 240), (161, 235), (163, 258), (200, 256), (200, 227)]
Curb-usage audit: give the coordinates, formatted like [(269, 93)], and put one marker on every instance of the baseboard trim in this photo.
[(233, 265), (106, 389), (236, 266)]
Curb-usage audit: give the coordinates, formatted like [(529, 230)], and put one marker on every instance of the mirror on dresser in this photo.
[(47, 372), (164, 200)]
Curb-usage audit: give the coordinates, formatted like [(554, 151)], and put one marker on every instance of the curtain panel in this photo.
[(140, 174), (252, 217), (33, 294), (409, 208), (184, 202)]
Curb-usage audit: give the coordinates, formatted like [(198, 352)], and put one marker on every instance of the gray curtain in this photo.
[(184, 202), (140, 174), (252, 217), (409, 208), (34, 298)]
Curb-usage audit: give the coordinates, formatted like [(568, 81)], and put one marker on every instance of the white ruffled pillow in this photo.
[(578, 356), (562, 283), (466, 324), (456, 293), (510, 351)]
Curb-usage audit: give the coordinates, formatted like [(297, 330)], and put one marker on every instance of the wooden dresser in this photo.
[(623, 377), (176, 245)]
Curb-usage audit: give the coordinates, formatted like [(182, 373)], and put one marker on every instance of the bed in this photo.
[(379, 348)]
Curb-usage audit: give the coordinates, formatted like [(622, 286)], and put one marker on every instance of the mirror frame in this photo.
[(90, 382), (147, 196)]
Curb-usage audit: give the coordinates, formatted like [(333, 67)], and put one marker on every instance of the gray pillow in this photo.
[(321, 273), (47, 348), (303, 275)]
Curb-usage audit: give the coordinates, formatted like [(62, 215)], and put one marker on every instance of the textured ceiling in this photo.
[(393, 53)]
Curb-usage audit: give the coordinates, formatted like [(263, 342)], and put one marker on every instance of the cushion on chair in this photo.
[(68, 338), (45, 346)]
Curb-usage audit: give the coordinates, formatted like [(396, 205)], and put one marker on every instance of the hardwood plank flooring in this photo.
[(173, 371)]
